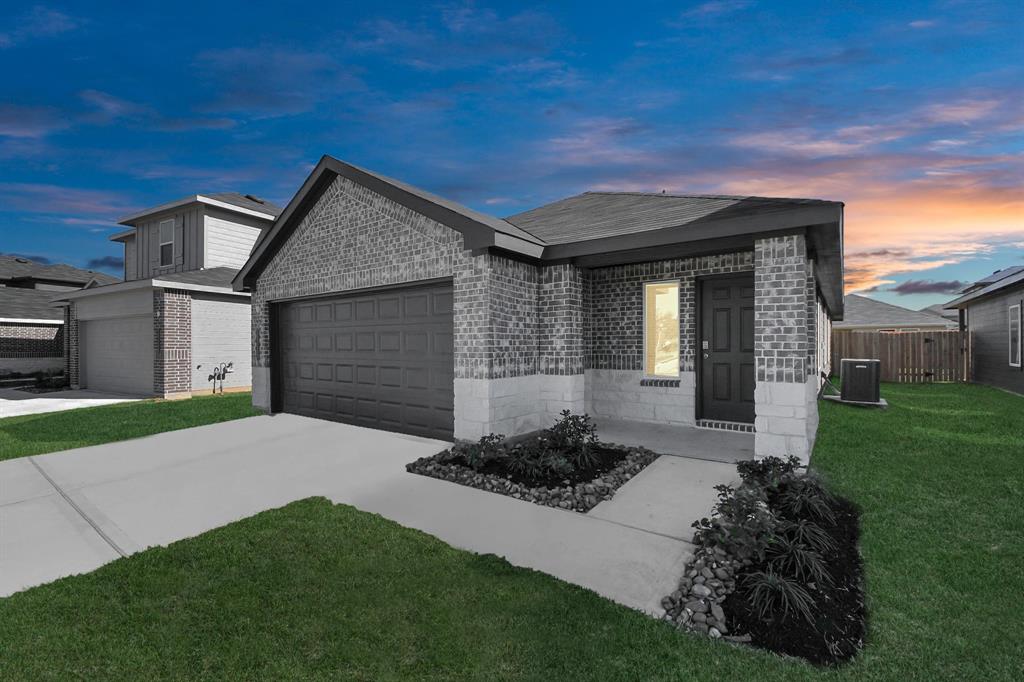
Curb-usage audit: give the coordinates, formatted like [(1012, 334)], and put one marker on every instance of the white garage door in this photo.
[(118, 355)]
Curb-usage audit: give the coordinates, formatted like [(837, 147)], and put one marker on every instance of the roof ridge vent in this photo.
[(255, 198)]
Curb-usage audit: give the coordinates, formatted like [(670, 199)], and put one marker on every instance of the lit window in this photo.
[(661, 329), (166, 242), (1014, 335)]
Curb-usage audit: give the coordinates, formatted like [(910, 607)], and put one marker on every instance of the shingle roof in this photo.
[(592, 229), (994, 277), (861, 311), (939, 310), (245, 201), (1015, 278), (593, 215), (28, 304), (15, 267), (210, 277)]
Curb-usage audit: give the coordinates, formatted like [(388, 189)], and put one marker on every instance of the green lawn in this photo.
[(320, 591), (35, 434)]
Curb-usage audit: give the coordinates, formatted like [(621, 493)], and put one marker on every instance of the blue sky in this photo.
[(912, 113)]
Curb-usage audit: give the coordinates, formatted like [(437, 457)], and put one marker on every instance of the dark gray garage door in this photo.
[(382, 359)]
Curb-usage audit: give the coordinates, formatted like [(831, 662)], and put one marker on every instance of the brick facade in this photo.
[(561, 333), (785, 348), (781, 307), (21, 340), (499, 301), (616, 304), (172, 342), (71, 346)]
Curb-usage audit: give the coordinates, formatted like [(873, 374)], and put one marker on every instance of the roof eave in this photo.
[(192, 199)]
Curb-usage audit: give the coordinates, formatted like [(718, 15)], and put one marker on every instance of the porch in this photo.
[(713, 445)]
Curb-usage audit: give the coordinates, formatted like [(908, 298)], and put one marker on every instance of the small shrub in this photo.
[(535, 459), (805, 497), (771, 595), (809, 533), (743, 524), (574, 435), (797, 560), (479, 454), (767, 472)]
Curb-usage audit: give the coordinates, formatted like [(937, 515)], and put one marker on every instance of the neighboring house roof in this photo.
[(210, 277), (594, 215), (17, 268), (215, 280), (939, 310), (592, 229), (992, 279), (994, 283), (233, 201), (28, 305), (861, 311)]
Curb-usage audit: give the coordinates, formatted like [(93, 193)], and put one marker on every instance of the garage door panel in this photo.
[(390, 364), (117, 354)]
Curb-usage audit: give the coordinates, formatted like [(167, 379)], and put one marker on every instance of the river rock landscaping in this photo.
[(776, 566), (564, 466)]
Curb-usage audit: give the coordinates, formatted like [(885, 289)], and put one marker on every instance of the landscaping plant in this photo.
[(777, 565), (563, 466)]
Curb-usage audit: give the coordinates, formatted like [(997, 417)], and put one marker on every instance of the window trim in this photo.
[(679, 312), (161, 244), (1011, 316)]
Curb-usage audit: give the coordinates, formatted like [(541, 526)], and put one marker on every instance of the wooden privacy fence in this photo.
[(909, 357)]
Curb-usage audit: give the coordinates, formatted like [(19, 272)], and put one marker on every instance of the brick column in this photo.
[(785, 394), (71, 346), (561, 341), (172, 343)]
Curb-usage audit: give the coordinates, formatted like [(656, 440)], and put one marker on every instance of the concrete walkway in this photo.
[(668, 496), (70, 512), (14, 403)]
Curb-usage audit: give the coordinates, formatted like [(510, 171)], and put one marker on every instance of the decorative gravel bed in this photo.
[(623, 464), (776, 566)]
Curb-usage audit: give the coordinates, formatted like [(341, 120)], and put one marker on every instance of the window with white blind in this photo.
[(661, 329), (166, 242)]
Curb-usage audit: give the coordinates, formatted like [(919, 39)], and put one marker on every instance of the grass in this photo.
[(314, 590), (35, 434)]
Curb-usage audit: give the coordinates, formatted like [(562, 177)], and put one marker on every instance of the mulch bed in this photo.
[(840, 624), (581, 491)]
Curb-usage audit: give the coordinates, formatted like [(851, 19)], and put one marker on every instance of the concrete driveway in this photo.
[(71, 512), (14, 402)]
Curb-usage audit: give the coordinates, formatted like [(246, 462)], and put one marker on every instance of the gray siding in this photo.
[(131, 259), (228, 240), (188, 238), (221, 332), (989, 320)]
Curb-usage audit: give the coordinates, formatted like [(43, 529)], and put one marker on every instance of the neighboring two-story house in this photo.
[(175, 320), (31, 329)]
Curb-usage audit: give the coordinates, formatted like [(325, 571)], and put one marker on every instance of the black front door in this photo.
[(725, 348)]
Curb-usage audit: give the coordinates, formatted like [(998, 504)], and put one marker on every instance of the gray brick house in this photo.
[(31, 328), (376, 303), (175, 318)]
